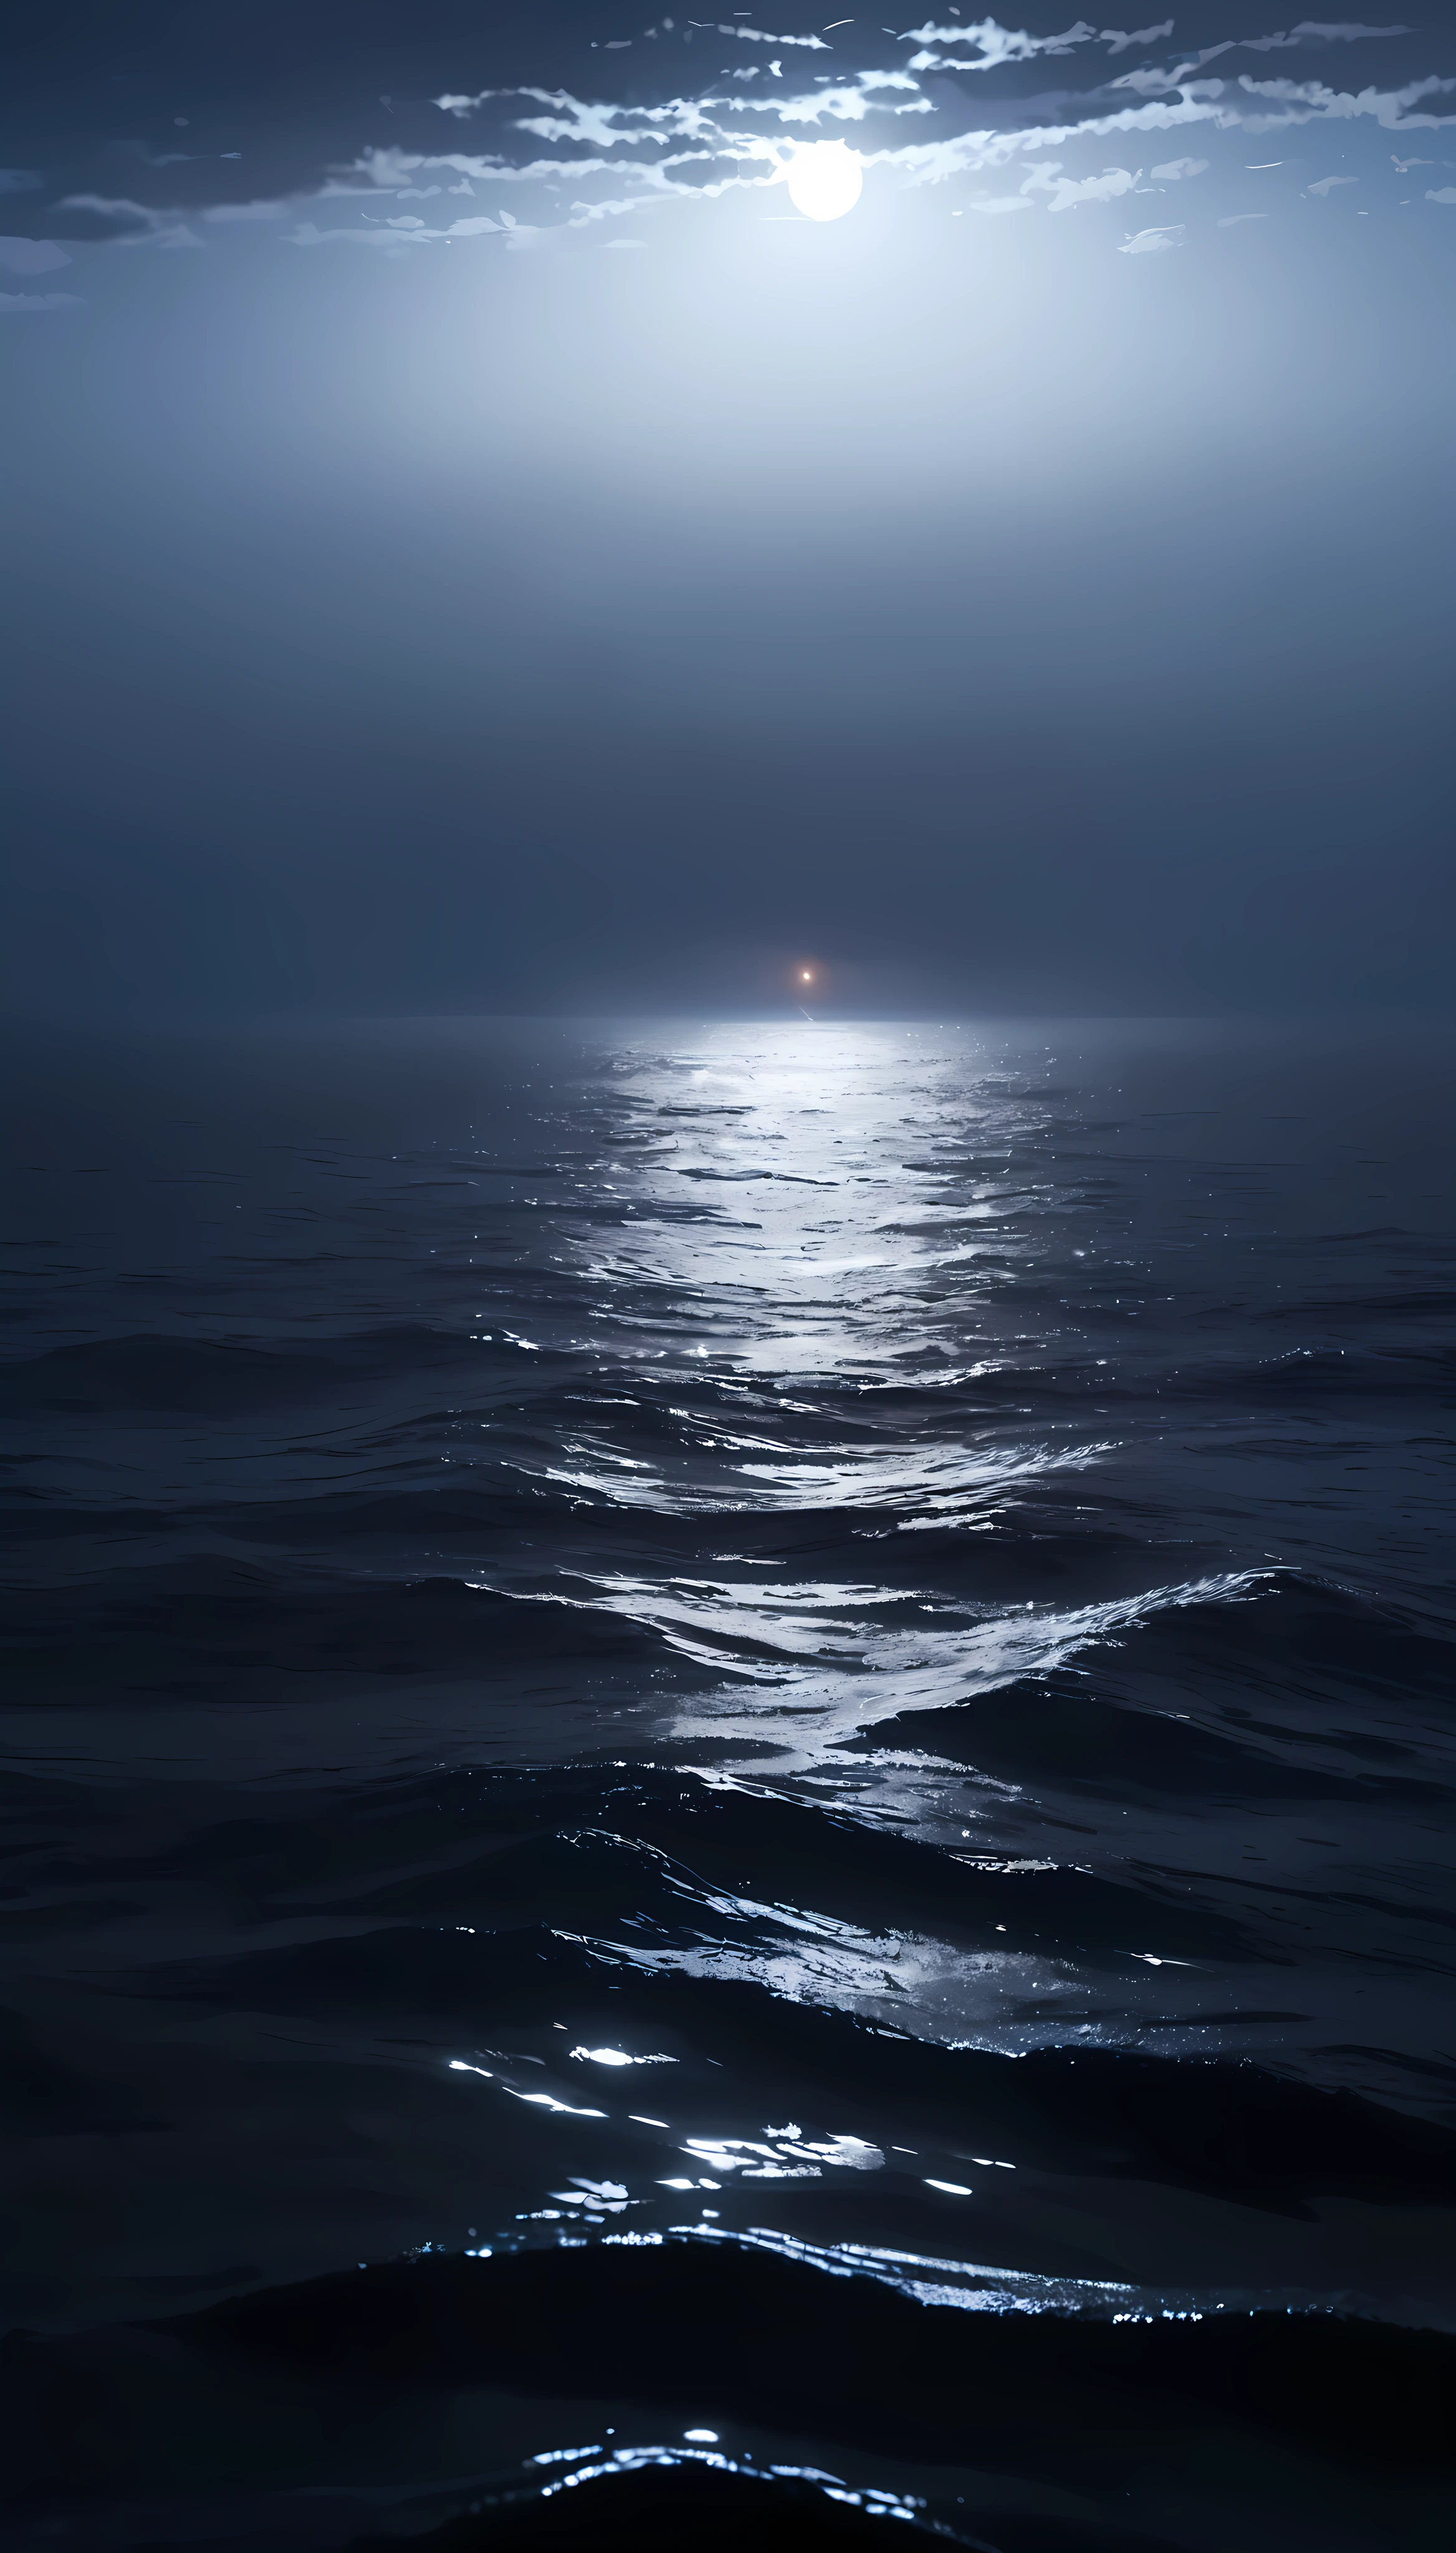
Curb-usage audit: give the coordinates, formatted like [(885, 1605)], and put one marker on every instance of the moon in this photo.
[(824, 180)]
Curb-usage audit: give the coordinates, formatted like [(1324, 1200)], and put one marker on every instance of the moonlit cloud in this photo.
[(1118, 42), (1066, 193), (995, 45), (850, 104), (1310, 101), (123, 222), (1149, 243), (1152, 80), (756, 35), (1323, 32), (31, 256)]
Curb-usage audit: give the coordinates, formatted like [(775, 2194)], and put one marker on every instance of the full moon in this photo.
[(824, 180)]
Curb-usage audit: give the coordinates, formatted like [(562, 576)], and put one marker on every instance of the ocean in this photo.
[(728, 1776)]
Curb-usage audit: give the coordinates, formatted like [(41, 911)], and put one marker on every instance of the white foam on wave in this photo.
[(811, 1664), (926, 1485)]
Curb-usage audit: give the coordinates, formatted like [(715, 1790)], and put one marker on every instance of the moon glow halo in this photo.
[(824, 180)]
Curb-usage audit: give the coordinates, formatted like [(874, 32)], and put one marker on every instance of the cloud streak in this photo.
[(1149, 243)]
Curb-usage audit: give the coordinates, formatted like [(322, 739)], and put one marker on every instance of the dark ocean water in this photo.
[(728, 1764)]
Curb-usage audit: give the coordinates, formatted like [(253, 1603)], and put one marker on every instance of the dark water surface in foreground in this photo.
[(728, 1754)]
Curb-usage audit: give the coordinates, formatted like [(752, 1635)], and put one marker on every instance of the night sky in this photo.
[(471, 544)]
